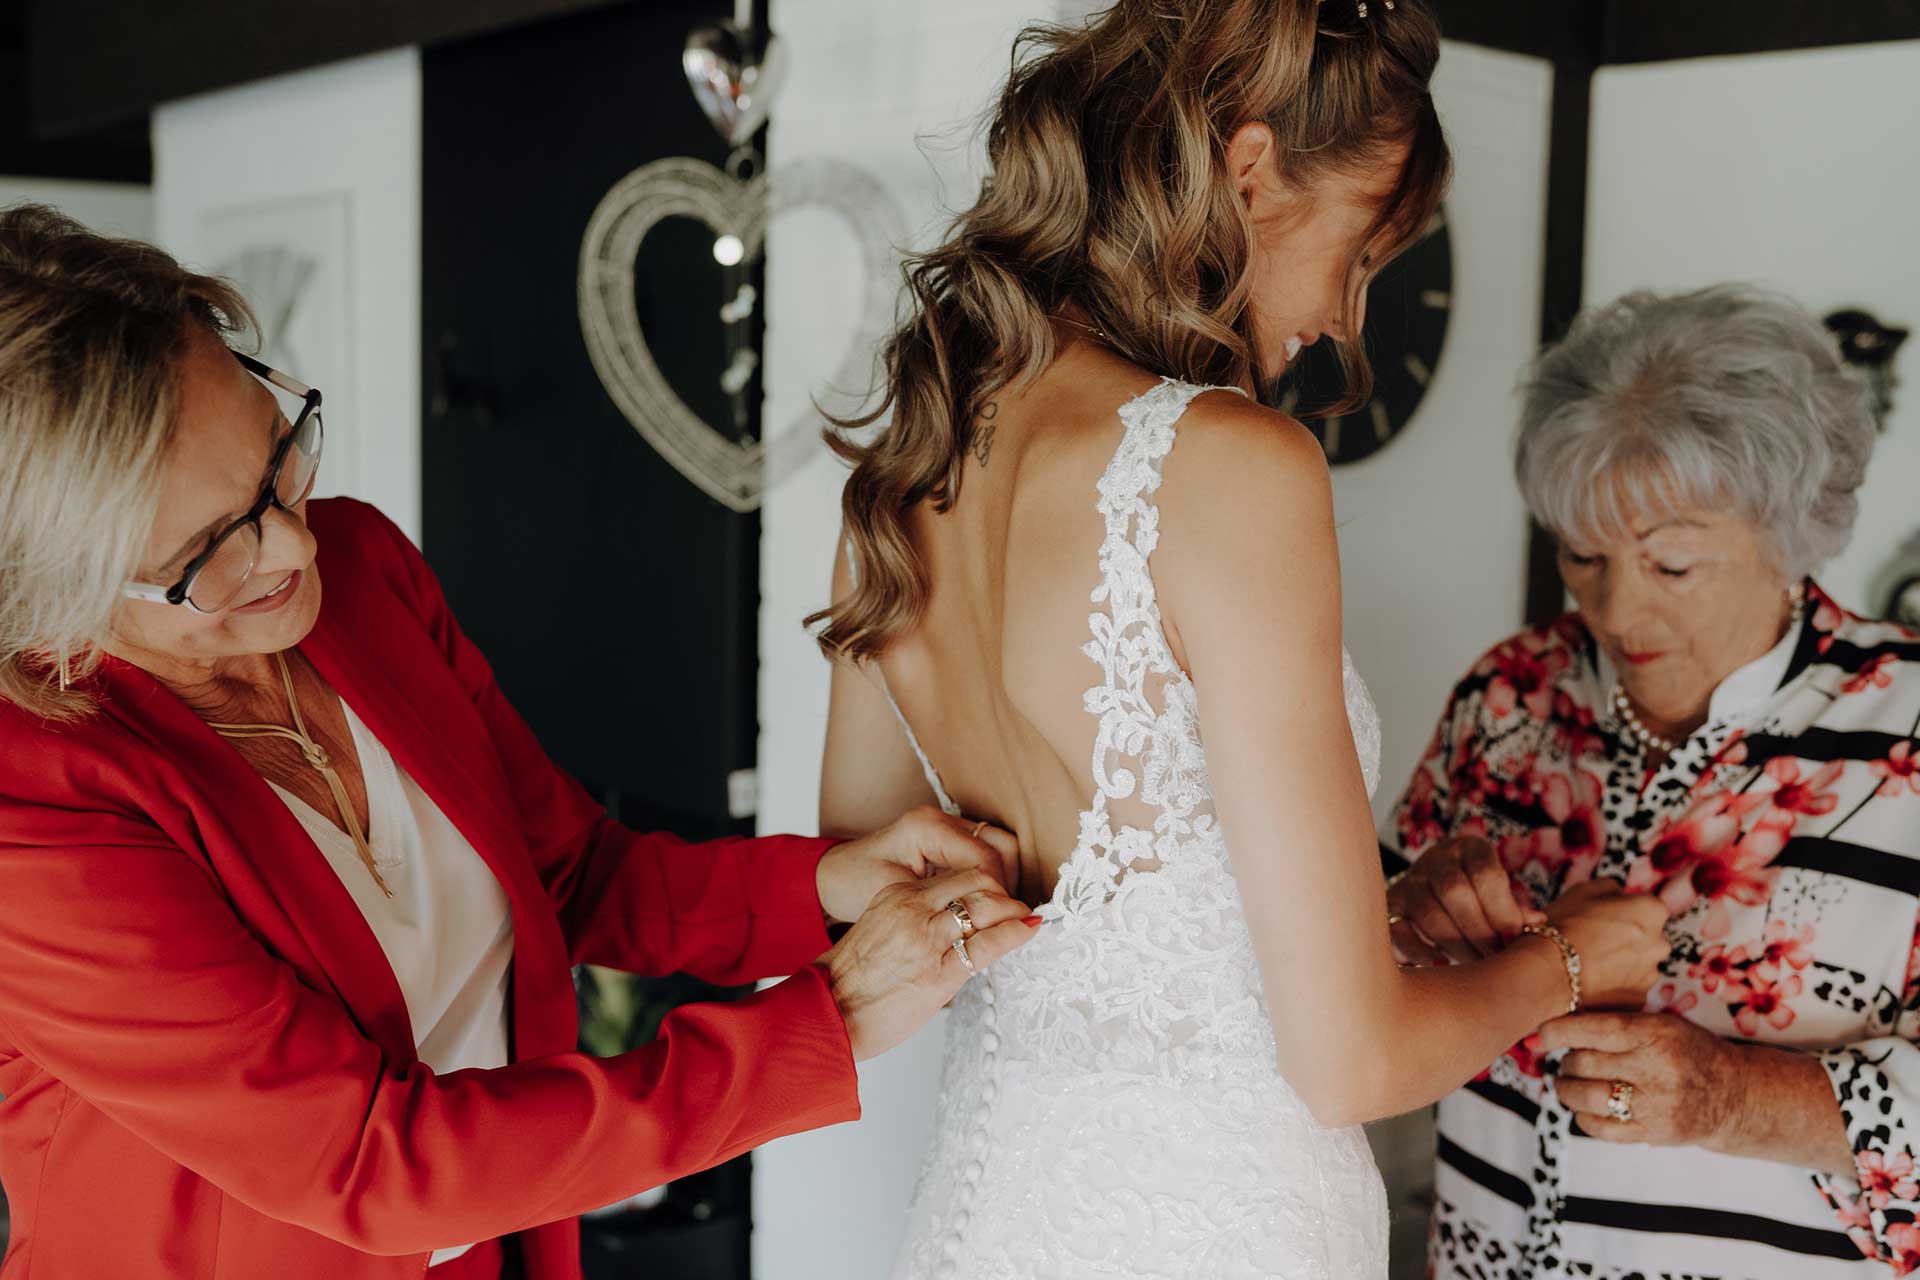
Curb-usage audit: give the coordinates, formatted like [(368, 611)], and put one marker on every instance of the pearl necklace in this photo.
[(1650, 742), (1653, 743)]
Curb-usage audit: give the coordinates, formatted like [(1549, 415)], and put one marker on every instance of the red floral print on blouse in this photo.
[(1900, 769), (1786, 839)]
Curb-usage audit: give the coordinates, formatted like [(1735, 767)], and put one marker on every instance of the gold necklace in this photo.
[(316, 756), (1095, 330)]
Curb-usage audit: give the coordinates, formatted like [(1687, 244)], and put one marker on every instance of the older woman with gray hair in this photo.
[(1709, 726)]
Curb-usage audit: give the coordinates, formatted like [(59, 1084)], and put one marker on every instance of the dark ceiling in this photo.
[(1601, 33), (117, 151), (78, 78)]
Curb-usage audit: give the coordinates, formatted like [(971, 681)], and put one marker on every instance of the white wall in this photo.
[(1792, 170), (110, 208), (309, 186), (1433, 536)]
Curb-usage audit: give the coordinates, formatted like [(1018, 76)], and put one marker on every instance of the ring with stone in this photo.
[(958, 910), (960, 949), (1620, 1102)]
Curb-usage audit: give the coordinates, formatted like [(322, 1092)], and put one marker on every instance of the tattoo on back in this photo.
[(983, 434)]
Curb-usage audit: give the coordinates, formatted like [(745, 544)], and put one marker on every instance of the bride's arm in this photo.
[(1249, 578), (870, 775)]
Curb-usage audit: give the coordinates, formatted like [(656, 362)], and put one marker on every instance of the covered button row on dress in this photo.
[(975, 1168)]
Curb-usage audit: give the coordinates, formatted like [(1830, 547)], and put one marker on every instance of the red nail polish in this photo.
[(1032, 922)]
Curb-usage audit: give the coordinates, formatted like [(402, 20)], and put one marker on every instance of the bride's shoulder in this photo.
[(1237, 459), (1223, 428), (1245, 491)]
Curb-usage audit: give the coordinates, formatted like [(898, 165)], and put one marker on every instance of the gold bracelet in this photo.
[(1393, 880), (1568, 956)]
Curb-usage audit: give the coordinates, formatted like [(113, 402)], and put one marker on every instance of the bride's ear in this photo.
[(1252, 159)]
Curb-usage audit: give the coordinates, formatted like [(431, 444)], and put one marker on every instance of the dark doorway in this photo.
[(616, 601)]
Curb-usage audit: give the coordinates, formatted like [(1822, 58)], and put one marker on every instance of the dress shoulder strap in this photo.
[(1136, 665), (1149, 420)]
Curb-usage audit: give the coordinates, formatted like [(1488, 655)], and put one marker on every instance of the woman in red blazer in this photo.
[(207, 1067)]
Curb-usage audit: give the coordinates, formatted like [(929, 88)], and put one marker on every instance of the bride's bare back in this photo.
[(991, 680), (1130, 1042)]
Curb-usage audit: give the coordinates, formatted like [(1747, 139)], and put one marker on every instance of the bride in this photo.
[(1080, 550)]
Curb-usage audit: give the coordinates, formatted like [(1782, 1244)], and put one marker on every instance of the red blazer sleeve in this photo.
[(125, 973), (729, 911)]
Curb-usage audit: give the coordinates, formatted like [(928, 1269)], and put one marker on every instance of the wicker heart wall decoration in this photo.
[(734, 473)]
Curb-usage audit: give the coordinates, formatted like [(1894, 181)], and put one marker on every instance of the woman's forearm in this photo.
[(1445, 1025), (1783, 1110), (1468, 1015)]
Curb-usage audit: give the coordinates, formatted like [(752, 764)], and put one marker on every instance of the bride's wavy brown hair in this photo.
[(1109, 191)]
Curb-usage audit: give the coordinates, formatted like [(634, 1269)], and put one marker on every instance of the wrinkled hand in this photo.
[(897, 966), (924, 842), (1456, 904), (1687, 1086), (1622, 941)]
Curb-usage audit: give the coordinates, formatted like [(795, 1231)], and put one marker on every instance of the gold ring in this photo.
[(1620, 1102), (978, 827), (964, 918), (960, 949)]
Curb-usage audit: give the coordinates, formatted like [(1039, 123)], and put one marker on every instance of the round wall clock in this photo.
[(1408, 306)]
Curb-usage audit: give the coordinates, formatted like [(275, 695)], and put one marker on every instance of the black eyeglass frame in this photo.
[(179, 592)]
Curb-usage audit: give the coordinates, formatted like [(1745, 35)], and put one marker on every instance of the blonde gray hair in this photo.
[(1728, 396), (92, 335)]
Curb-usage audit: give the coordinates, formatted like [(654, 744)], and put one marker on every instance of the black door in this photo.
[(615, 600)]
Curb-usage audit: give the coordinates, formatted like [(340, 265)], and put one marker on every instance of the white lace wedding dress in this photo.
[(1109, 1105)]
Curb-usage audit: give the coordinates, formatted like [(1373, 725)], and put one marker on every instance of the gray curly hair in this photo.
[(1728, 396)]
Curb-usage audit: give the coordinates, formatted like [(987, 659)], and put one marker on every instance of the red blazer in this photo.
[(206, 1067)]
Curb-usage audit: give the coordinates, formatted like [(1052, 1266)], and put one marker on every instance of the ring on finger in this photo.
[(960, 949), (978, 827), (964, 918), (1620, 1102), (1393, 920)]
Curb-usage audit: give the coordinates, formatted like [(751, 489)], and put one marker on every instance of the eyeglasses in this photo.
[(214, 578)]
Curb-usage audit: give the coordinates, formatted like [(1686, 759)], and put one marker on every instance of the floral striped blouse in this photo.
[(1786, 833)]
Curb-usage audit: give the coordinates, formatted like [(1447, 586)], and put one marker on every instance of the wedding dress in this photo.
[(1109, 1103)]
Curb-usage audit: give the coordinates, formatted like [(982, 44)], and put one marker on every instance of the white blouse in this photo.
[(446, 931)]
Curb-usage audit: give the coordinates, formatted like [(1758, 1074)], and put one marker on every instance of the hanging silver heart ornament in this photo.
[(734, 473), (734, 73)]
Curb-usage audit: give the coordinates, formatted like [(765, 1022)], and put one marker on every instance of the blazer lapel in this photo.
[(277, 877), (411, 702)]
